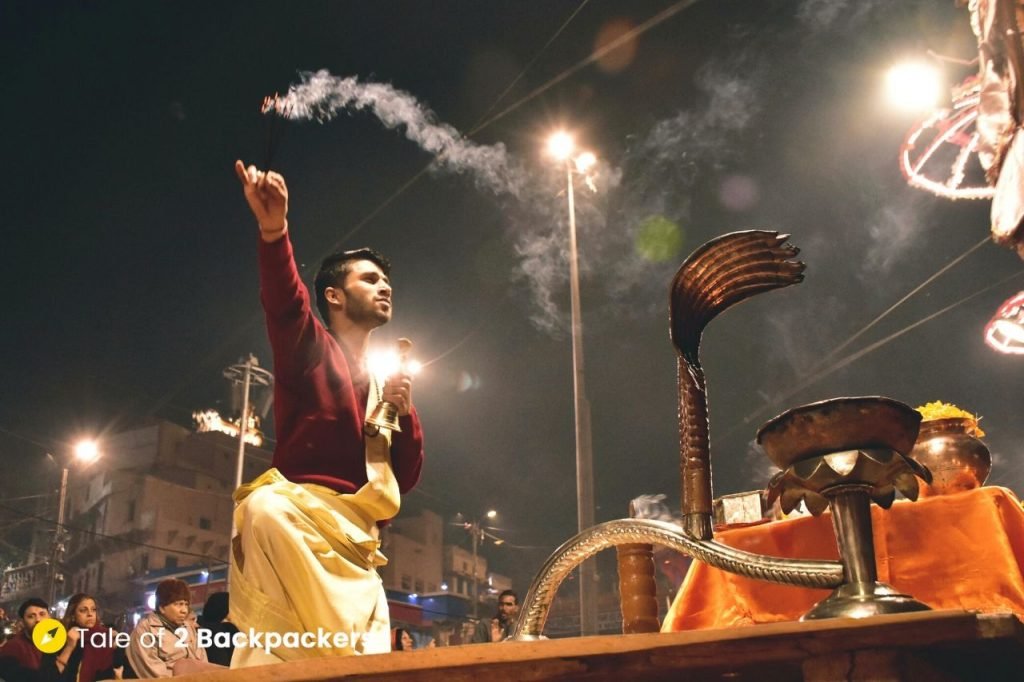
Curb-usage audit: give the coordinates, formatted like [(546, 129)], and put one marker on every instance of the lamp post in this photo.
[(247, 372), (478, 532), (85, 451), (562, 147)]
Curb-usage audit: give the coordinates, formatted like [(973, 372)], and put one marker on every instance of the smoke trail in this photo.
[(821, 15), (893, 229), (665, 169), (533, 205), (543, 269), (758, 469), (655, 186), (321, 96), (541, 238), (654, 507), (664, 173)]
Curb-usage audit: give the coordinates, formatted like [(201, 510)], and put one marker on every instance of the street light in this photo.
[(562, 148), (478, 531), (85, 451), (246, 373)]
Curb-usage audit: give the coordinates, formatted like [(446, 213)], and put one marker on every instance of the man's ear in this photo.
[(335, 296)]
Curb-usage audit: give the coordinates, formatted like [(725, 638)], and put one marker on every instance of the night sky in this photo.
[(131, 279)]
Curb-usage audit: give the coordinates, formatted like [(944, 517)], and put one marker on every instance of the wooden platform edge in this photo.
[(623, 655)]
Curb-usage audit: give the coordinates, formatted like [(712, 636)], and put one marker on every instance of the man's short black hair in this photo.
[(509, 593), (34, 601), (334, 268)]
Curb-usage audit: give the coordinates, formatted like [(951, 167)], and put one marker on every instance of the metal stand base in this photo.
[(862, 600), (860, 595)]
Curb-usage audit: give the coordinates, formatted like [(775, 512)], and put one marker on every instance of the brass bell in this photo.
[(385, 414)]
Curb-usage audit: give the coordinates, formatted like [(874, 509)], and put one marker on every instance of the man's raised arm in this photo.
[(291, 325), (267, 195)]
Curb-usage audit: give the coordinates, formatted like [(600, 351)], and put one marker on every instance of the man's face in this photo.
[(33, 615), (366, 292), (508, 608)]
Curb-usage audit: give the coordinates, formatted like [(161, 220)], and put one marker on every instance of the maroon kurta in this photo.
[(318, 412), (21, 649)]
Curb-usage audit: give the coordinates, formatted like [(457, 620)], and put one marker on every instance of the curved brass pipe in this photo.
[(534, 614)]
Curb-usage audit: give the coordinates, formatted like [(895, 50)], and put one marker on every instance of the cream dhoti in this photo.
[(305, 561)]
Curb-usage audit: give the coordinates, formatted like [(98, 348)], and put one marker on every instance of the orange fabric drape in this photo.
[(962, 551)]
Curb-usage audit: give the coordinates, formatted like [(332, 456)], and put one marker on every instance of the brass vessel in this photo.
[(957, 459)]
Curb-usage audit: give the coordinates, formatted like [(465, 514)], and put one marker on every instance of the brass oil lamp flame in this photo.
[(385, 414)]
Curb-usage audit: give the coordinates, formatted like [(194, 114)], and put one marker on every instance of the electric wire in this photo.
[(528, 66), (856, 355), (938, 273), (95, 533)]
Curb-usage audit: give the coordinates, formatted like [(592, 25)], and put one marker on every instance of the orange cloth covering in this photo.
[(961, 551)]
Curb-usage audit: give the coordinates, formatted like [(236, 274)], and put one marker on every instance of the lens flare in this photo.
[(659, 239)]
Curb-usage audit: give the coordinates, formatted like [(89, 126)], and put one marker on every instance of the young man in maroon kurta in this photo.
[(305, 557), (320, 379)]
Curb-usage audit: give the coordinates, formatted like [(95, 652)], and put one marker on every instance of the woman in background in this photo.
[(90, 653), (401, 640)]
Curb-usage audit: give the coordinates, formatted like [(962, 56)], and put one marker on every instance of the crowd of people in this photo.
[(164, 642)]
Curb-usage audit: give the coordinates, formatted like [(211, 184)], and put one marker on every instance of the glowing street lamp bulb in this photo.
[(560, 145), (87, 450), (913, 86), (492, 514), (585, 161)]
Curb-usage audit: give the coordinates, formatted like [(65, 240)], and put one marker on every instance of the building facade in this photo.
[(158, 499), (429, 579)]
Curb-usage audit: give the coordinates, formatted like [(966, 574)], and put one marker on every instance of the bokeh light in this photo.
[(738, 193), (467, 381), (623, 55), (659, 239)]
